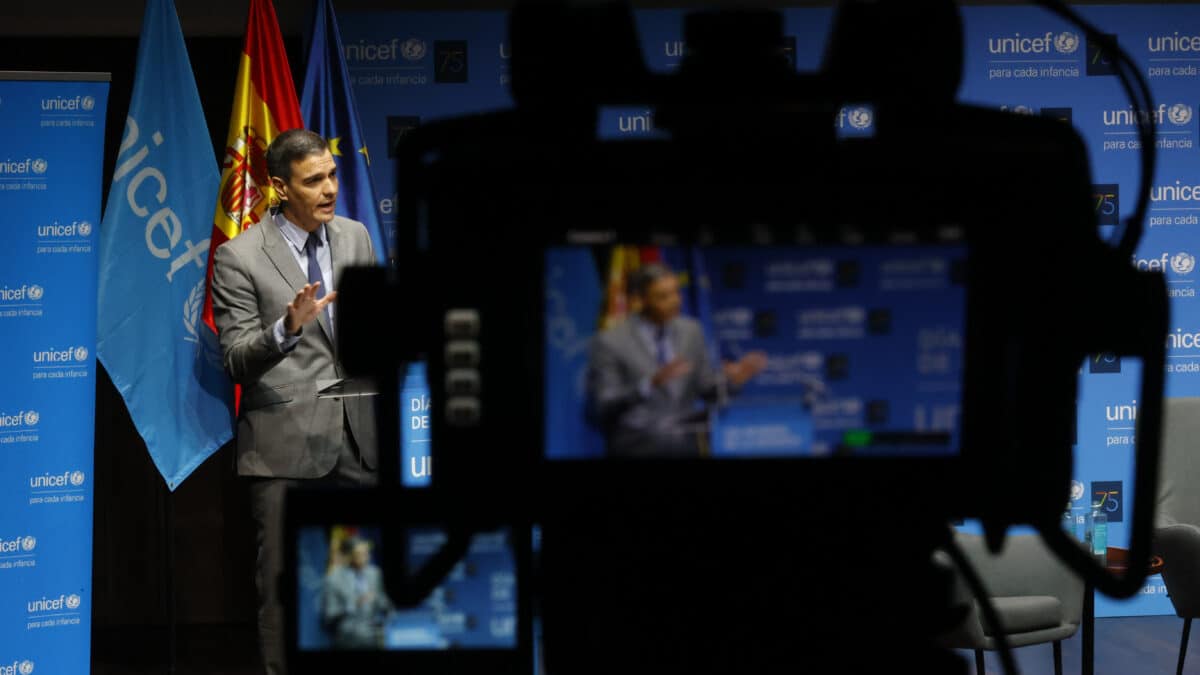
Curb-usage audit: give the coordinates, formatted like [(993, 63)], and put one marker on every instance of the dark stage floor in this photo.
[(1124, 646)]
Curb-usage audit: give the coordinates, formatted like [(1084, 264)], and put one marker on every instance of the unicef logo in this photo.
[(1076, 490), (39, 165), (738, 316), (28, 544), (36, 292), (1180, 114), (1017, 109), (32, 418), (413, 49), (87, 103), (77, 478), (85, 229), (1183, 263), (860, 118), (81, 353), (73, 601), (1066, 42), (26, 667)]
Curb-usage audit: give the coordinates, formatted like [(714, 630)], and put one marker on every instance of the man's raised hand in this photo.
[(305, 307)]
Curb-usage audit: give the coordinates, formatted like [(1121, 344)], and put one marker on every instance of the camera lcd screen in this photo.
[(342, 602), (753, 351)]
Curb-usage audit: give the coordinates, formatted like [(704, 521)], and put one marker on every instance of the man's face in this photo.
[(311, 192), (360, 556), (661, 301)]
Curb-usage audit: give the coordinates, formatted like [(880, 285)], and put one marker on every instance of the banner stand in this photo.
[(52, 132)]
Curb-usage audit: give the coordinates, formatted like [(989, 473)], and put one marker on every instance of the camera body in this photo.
[(677, 565)]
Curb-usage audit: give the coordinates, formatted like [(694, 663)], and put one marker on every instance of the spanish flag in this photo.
[(264, 104), (623, 261)]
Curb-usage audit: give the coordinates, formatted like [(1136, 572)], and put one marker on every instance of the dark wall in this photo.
[(227, 17)]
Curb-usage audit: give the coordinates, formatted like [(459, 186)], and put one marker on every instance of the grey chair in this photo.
[(1037, 598), (1177, 516)]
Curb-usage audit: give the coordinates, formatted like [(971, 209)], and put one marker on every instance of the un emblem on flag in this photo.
[(191, 310)]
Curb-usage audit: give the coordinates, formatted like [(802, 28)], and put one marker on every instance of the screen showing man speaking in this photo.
[(343, 604), (753, 351)]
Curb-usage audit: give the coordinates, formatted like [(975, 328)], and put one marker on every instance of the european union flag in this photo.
[(327, 105), (153, 253)]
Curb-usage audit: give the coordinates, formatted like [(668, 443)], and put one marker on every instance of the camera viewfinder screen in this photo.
[(728, 352), (343, 604)]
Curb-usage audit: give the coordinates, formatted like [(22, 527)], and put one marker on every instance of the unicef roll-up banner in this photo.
[(52, 140), (411, 67)]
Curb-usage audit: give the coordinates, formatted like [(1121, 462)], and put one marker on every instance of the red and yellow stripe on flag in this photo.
[(622, 262), (264, 104)]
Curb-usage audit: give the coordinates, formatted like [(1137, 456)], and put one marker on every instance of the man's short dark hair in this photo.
[(351, 543), (290, 146), (641, 279)]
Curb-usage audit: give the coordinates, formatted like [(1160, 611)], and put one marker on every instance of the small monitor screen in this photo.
[(755, 351), (343, 603)]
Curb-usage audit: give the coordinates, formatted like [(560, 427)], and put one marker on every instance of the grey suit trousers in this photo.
[(267, 509)]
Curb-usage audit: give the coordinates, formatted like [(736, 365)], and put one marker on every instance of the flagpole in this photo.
[(168, 525)]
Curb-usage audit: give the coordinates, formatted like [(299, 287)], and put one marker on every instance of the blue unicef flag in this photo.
[(153, 251), (327, 105), (574, 299)]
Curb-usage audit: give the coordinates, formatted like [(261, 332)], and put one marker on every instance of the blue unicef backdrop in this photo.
[(411, 67), (52, 135)]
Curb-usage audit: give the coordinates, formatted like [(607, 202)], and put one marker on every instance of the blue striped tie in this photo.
[(660, 343), (314, 270)]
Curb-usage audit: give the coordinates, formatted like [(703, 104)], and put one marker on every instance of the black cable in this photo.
[(985, 602), (1131, 232), (1146, 461)]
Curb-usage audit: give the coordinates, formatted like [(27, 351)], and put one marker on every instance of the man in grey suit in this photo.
[(354, 603), (273, 289), (649, 376)]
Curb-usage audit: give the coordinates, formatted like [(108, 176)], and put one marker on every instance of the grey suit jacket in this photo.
[(284, 430), (355, 625), (668, 421)]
